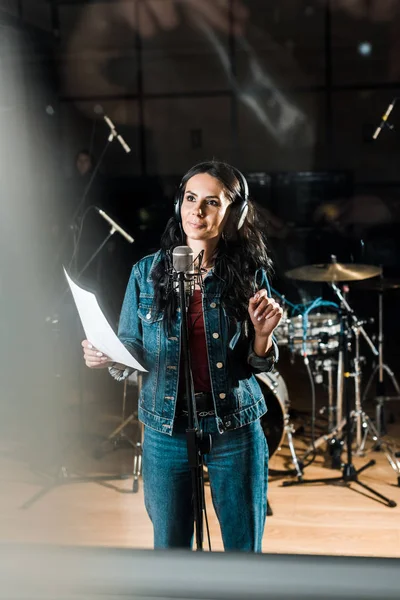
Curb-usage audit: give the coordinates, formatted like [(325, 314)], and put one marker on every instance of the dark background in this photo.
[(293, 103)]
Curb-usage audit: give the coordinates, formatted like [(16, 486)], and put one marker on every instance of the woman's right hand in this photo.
[(94, 359)]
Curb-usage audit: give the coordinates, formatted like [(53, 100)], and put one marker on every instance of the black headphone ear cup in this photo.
[(177, 210), (243, 207), (177, 205)]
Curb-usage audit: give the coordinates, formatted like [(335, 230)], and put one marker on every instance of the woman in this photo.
[(231, 319)]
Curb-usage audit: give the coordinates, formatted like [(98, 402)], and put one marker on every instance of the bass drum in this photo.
[(276, 397)]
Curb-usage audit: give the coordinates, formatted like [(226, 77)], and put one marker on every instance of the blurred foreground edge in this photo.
[(28, 571)]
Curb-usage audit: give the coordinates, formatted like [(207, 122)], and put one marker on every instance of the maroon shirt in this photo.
[(197, 347)]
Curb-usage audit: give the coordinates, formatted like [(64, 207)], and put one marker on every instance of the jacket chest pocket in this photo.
[(152, 324)]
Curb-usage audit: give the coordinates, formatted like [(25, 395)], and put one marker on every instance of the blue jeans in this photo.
[(238, 473)]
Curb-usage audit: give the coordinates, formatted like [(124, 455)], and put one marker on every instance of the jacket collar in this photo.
[(156, 260)]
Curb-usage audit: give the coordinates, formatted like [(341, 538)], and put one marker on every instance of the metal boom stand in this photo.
[(198, 444)]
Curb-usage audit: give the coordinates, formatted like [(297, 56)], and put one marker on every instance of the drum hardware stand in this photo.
[(335, 447), (363, 423), (119, 437), (339, 385), (298, 465), (137, 460), (327, 365), (289, 430), (350, 473), (369, 428), (381, 368), (137, 456)]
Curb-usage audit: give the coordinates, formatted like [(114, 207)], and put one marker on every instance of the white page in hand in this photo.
[(97, 329)]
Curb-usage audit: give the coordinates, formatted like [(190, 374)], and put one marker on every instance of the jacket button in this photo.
[(215, 335), (228, 423), (148, 316), (222, 396), (220, 365), (213, 305)]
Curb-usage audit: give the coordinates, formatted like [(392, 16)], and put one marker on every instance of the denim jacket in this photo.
[(237, 397)]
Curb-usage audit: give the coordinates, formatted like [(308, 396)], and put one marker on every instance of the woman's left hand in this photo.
[(265, 313)]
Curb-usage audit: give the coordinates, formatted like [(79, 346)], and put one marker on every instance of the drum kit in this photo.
[(327, 335)]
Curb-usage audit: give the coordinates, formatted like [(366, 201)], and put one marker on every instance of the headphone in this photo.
[(241, 206)]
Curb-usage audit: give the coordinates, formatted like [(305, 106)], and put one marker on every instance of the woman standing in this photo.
[(231, 319)]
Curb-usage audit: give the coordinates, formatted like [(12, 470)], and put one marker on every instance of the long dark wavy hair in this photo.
[(239, 254)]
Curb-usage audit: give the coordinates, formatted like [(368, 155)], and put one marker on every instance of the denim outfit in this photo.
[(238, 460)]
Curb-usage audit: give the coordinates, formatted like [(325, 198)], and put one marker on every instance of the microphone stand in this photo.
[(198, 444), (62, 476), (74, 224)]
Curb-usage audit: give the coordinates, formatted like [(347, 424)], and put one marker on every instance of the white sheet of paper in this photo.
[(97, 329)]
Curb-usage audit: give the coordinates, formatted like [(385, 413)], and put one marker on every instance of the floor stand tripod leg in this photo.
[(115, 436), (295, 460), (387, 501), (137, 468), (325, 438), (382, 444), (392, 377), (369, 464), (120, 427), (137, 460), (304, 481)]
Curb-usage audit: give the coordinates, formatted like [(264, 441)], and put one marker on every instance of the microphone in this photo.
[(384, 119), (183, 262), (115, 227), (114, 134)]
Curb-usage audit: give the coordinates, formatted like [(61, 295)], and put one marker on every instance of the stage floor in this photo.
[(307, 519)]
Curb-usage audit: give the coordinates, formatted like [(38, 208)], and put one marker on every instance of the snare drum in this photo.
[(320, 336)]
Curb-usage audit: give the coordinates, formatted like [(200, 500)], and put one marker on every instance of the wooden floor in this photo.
[(309, 519)]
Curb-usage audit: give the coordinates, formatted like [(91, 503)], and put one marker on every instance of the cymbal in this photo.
[(334, 272), (378, 285)]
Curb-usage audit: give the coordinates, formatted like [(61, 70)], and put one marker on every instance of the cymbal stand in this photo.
[(360, 442), (339, 386), (381, 367), (363, 423), (357, 328), (349, 473), (328, 368)]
